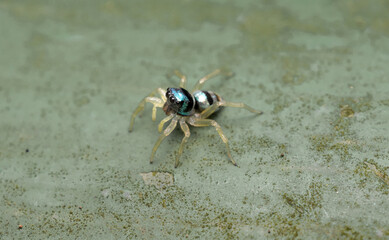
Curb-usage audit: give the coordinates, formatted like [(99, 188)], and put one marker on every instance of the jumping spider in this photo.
[(182, 106)]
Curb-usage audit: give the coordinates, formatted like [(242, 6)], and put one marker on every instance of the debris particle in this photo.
[(105, 193), (159, 180), (346, 111), (126, 195), (20, 226)]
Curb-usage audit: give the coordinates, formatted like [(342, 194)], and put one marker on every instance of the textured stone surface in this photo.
[(314, 165)]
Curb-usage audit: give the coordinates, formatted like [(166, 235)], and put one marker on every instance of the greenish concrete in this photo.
[(314, 165)]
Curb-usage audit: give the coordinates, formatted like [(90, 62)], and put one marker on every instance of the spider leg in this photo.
[(165, 133), (162, 93), (157, 103), (182, 78), (185, 129), (165, 120), (201, 82), (240, 105), (209, 122), (209, 110), (141, 106)]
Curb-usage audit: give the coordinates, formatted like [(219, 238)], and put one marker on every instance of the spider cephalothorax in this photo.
[(186, 108), (179, 100)]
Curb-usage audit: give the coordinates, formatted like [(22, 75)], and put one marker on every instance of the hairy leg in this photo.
[(209, 122), (240, 105), (156, 103), (165, 133), (186, 131), (201, 82), (162, 93), (140, 108), (182, 78), (165, 120), (210, 110)]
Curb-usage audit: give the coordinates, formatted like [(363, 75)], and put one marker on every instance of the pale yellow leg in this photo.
[(210, 110), (165, 120), (157, 103), (182, 78), (140, 108), (186, 131), (201, 82), (240, 105), (165, 133), (162, 93), (209, 122), (149, 98)]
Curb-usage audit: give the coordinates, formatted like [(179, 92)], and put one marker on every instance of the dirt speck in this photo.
[(346, 111)]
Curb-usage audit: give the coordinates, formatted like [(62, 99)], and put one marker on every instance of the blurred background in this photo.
[(314, 165)]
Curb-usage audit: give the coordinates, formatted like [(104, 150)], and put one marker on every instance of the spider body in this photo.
[(184, 107), (205, 99), (179, 100)]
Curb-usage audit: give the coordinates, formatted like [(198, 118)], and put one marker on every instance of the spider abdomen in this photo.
[(204, 99)]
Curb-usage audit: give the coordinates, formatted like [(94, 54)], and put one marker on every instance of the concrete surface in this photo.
[(314, 165)]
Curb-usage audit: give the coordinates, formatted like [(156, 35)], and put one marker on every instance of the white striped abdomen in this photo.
[(204, 99)]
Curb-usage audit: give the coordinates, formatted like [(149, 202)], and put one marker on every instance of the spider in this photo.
[(184, 107)]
